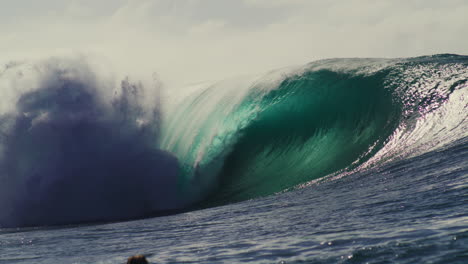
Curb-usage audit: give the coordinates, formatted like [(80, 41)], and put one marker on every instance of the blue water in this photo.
[(411, 211), (341, 161)]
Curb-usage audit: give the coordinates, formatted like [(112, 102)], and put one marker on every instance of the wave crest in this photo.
[(240, 140)]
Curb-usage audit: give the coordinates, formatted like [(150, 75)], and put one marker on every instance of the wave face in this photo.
[(78, 146), (241, 139), (75, 147)]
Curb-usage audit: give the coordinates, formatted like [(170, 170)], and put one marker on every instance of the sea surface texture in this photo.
[(336, 161)]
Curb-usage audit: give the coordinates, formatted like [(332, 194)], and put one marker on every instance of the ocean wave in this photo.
[(241, 140), (76, 145)]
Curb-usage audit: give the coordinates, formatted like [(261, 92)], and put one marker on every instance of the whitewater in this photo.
[(335, 161)]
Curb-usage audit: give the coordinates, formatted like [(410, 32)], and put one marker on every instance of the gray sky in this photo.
[(193, 40)]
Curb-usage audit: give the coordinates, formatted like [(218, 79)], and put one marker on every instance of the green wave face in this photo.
[(310, 126), (238, 141)]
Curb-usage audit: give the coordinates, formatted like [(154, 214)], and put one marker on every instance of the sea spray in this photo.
[(77, 147)]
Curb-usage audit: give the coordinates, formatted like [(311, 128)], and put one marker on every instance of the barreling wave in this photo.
[(78, 146), (241, 139)]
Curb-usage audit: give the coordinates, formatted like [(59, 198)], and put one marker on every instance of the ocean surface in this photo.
[(336, 161)]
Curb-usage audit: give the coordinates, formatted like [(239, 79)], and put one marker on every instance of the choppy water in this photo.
[(411, 211)]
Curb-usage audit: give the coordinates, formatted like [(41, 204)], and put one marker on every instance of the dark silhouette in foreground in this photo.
[(138, 259)]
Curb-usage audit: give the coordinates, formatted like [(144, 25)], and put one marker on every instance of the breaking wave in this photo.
[(77, 146), (241, 139)]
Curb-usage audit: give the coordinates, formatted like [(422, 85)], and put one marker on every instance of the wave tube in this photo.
[(76, 146), (241, 139)]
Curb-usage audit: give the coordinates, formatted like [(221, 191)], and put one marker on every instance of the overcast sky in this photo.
[(194, 40)]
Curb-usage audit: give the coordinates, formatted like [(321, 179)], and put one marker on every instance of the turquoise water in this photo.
[(297, 125), (336, 161)]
